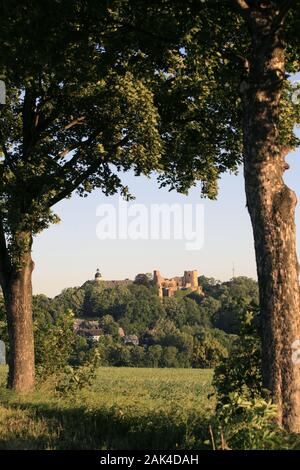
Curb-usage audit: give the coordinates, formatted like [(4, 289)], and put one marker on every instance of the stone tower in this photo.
[(98, 276), (191, 278), (157, 280)]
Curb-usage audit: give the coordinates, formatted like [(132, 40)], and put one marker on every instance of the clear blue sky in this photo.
[(69, 253)]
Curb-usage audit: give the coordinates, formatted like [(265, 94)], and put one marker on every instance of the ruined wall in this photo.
[(167, 287)]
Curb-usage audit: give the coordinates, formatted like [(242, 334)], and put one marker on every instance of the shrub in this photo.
[(54, 343), (73, 379), (245, 424), (240, 372)]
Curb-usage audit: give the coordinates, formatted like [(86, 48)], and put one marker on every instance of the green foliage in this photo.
[(184, 311), (119, 355), (71, 298), (208, 351), (82, 104), (71, 380), (54, 342), (99, 301), (184, 324), (209, 307), (129, 408), (241, 372), (177, 332), (169, 357), (100, 93), (125, 408), (109, 326), (141, 313), (249, 424), (154, 355), (235, 296)]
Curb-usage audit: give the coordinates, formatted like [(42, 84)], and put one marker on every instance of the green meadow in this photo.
[(126, 408)]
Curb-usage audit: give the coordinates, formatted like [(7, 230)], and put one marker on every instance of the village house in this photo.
[(131, 339)]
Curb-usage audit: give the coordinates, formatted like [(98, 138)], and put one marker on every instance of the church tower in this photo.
[(98, 276)]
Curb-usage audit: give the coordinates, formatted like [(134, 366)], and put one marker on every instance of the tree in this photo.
[(169, 357), (119, 355), (154, 355), (77, 106), (191, 88), (239, 106), (270, 202), (208, 351), (240, 373), (236, 297), (142, 311), (109, 326), (209, 306), (71, 298)]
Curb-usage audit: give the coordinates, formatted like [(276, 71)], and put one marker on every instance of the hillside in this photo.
[(130, 325)]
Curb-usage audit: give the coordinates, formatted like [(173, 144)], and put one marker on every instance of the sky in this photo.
[(67, 254)]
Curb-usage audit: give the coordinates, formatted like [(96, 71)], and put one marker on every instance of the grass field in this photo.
[(126, 408)]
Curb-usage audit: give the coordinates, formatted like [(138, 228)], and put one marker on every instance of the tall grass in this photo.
[(126, 408)]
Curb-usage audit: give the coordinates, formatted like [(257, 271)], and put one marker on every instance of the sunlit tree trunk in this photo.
[(17, 289), (271, 205)]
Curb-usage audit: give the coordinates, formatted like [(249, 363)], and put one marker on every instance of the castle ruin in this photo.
[(167, 287)]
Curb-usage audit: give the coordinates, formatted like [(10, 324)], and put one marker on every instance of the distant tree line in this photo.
[(187, 330)]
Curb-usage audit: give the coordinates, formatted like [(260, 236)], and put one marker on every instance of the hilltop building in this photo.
[(110, 284), (167, 287), (98, 276)]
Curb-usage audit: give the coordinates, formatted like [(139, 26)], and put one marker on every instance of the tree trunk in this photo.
[(17, 290), (271, 205)]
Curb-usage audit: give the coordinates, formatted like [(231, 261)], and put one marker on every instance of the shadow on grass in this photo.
[(46, 426)]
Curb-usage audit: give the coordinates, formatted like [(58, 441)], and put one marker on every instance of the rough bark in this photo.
[(17, 290), (271, 205)]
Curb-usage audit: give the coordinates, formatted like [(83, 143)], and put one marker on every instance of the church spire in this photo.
[(98, 276)]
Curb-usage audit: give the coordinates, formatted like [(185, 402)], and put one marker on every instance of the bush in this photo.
[(71, 380), (240, 372), (54, 343), (245, 424)]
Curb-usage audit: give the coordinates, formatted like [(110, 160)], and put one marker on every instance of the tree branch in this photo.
[(82, 177), (283, 11), (79, 146), (242, 5), (75, 122), (67, 191), (237, 58)]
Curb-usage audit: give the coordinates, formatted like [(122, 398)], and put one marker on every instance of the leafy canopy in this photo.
[(75, 113), (97, 87)]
